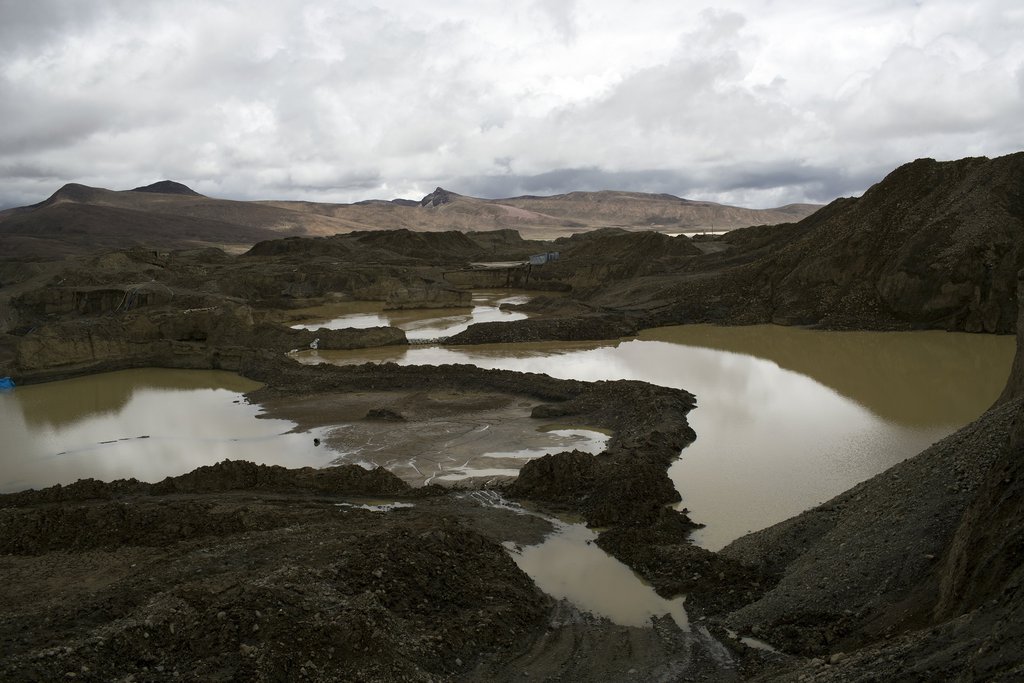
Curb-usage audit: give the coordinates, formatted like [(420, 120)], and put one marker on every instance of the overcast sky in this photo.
[(750, 102)]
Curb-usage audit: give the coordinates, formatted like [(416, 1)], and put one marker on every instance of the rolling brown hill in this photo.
[(551, 217), (78, 217), (659, 211)]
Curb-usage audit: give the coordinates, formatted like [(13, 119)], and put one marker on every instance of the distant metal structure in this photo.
[(541, 259)]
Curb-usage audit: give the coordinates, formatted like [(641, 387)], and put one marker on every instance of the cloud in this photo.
[(561, 14), (760, 186), (752, 101)]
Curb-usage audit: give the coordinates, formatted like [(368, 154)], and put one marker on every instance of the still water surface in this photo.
[(786, 417), (147, 424), (419, 324)]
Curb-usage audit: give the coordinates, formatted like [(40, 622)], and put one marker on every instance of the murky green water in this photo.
[(786, 417)]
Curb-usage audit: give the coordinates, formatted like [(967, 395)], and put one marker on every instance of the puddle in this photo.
[(420, 324), (750, 642), (569, 565)]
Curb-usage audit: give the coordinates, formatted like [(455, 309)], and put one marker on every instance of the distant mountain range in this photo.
[(167, 214)]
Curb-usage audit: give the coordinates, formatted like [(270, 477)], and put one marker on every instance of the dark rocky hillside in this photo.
[(933, 245)]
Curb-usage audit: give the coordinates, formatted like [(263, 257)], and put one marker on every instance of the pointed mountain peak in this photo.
[(438, 197)]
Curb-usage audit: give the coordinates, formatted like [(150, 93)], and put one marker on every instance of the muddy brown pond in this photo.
[(146, 424), (786, 418)]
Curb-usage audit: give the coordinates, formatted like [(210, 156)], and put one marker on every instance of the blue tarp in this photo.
[(6, 383)]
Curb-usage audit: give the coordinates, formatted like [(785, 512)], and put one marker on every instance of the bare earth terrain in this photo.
[(245, 572)]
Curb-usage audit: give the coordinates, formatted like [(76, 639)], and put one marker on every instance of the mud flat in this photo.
[(432, 436)]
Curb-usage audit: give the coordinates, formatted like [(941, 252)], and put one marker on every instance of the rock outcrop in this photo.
[(218, 337), (439, 197), (579, 328)]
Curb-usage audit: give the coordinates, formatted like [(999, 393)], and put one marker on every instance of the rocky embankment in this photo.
[(934, 245), (239, 572), (586, 327), (203, 308), (223, 336), (915, 574)]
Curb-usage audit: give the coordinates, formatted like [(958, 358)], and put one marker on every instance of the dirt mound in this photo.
[(241, 475), (605, 489), (628, 482), (405, 246), (228, 475), (619, 246), (657, 548), (261, 589), (433, 247)]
